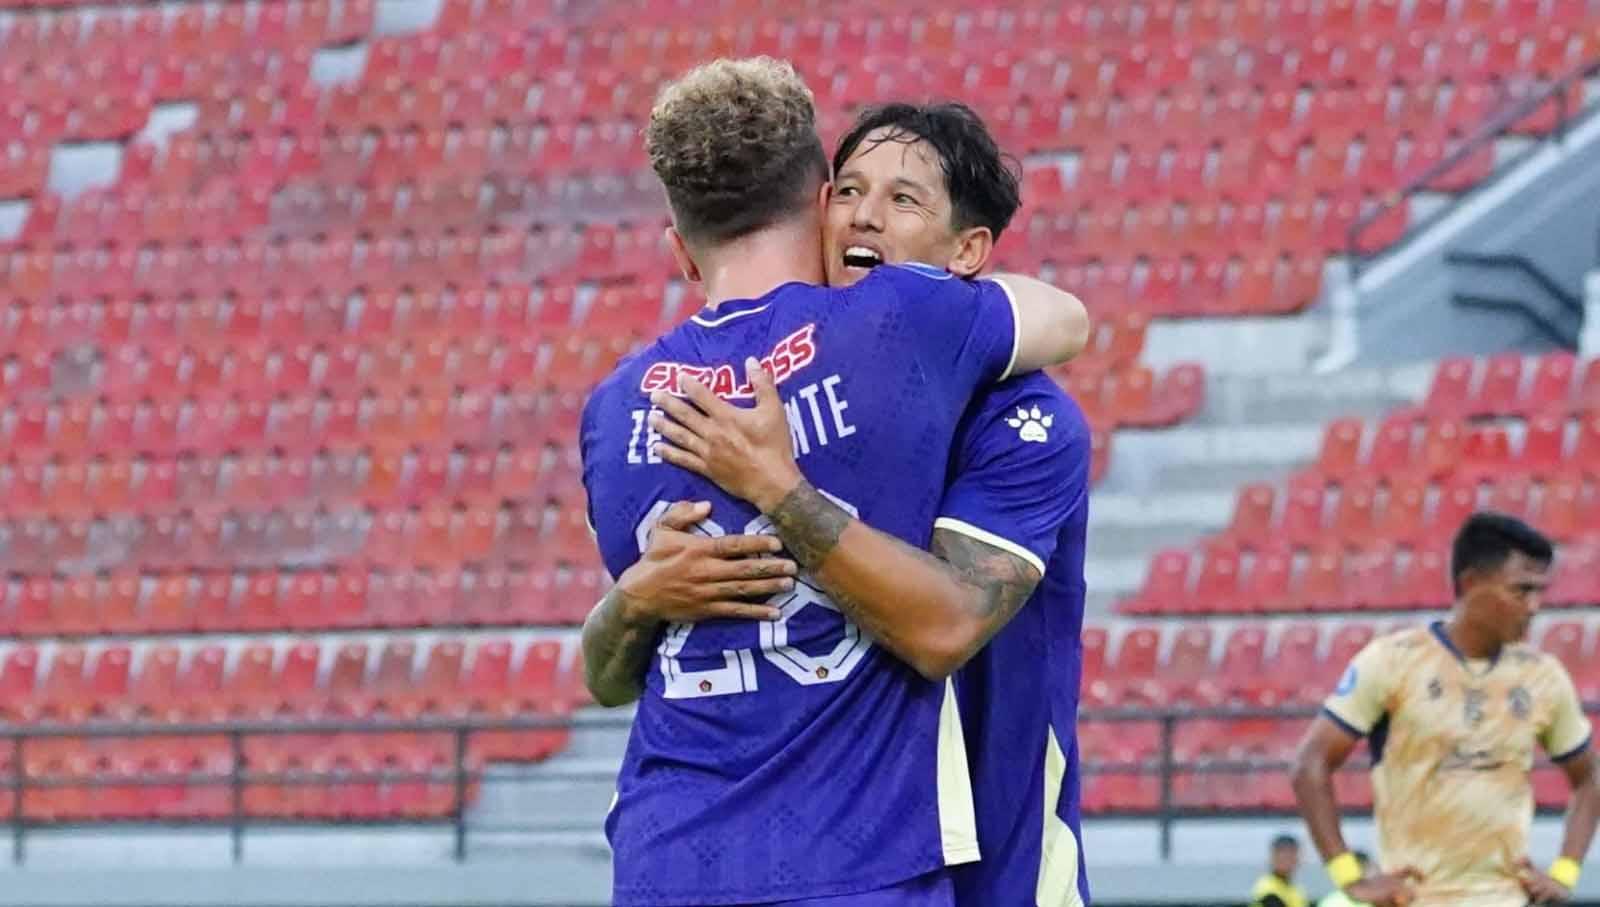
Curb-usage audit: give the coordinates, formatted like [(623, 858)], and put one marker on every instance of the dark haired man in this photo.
[(1452, 713), (927, 183)]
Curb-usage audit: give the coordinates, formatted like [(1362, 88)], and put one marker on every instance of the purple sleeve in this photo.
[(1021, 470), (965, 330)]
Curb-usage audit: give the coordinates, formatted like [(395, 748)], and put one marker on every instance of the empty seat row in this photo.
[(1362, 511), (444, 534), (508, 313), (548, 594), (1501, 386), (171, 427), (1259, 664), (376, 478), (1132, 397), (1380, 577), (1410, 444)]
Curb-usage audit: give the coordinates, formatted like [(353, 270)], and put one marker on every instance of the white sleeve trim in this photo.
[(989, 538), (1016, 328)]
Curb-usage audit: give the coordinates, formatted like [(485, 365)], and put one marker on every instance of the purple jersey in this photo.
[(1019, 476), (795, 759)]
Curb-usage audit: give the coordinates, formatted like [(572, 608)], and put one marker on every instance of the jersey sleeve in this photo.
[(1568, 731), (1361, 699), (615, 552), (1020, 471), (965, 330)]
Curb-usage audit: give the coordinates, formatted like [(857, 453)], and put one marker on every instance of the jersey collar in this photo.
[(735, 309), (1444, 639)]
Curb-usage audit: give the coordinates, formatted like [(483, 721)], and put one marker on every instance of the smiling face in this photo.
[(890, 204)]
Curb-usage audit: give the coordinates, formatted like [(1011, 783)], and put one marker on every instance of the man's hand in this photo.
[(1394, 889), (687, 577), (1541, 888), (747, 452)]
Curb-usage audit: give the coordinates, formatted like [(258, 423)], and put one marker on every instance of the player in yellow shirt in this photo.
[(1452, 713)]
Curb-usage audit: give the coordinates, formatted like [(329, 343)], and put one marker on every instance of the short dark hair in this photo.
[(1486, 540), (1281, 841), (984, 183), (735, 144)]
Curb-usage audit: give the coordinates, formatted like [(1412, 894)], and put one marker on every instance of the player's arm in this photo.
[(933, 613), (1326, 747), (1052, 325), (971, 333), (1566, 739), (1358, 703), (1584, 811), (680, 577)]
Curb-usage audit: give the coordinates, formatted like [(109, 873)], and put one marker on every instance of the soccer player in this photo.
[(927, 183), (787, 759), (1452, 713)]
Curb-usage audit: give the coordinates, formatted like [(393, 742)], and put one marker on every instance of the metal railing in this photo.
[(239, 778), (464, 769), (1494, 128)]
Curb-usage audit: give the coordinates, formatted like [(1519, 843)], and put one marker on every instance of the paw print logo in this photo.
[(1032, 425)]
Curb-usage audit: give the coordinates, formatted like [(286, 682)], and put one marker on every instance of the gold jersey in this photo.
[(1452, 743)]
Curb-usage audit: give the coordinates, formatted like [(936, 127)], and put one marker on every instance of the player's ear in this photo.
[(974, 246), (824, 195), (680, 254)]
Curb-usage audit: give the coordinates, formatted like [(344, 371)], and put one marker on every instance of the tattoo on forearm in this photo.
[(1004, 580), (616, 652), (809, 524)]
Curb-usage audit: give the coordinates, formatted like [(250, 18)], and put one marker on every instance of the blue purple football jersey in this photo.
[(795, 759), (1019, 476)]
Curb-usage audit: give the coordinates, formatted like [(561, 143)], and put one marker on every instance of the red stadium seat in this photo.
[(1393, 447), (1353, 518), (1297, 647), (1512, 495), (1552, 384), (1303, 522), (1217, 588), (1423, 581), (1452, 388), (1267, 583), (1321, 585), (1543, 446), (1501, 391), (1341, 449), (1166, 587), (1252, 515)]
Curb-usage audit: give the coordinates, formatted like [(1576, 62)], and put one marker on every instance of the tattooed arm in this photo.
[(934, 614), (935, 611)]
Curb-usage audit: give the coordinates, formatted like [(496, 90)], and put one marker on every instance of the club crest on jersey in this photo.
[(1032, 425), (792, 354), (1347, 683)]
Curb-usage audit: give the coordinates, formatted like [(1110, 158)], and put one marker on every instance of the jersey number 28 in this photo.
[(738, 671)]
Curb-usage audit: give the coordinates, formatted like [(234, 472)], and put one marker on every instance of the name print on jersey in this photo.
[(792, 354), (815, 412)]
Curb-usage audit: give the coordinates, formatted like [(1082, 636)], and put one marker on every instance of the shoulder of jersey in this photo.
[(916, 269), (622, 374), (1409, 638), (1038, 389)]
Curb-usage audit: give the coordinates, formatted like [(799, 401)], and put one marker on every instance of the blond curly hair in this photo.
[(735, 144)]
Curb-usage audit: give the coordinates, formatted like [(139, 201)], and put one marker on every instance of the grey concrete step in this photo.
[(563, 794)]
